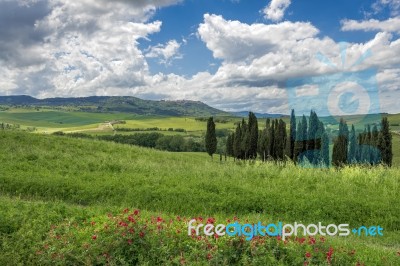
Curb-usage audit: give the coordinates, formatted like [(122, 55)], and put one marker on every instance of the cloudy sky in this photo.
[(230, 54)]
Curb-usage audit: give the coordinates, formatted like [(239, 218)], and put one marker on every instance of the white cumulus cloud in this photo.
[(275, 11), (166, 52), (389, 25)]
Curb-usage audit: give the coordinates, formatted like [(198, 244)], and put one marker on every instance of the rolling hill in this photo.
[(126, 104)]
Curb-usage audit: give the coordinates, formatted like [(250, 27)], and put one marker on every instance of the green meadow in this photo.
[(50, 120), (60, 197)]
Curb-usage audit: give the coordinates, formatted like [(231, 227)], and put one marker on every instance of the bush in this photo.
[(132, 238)]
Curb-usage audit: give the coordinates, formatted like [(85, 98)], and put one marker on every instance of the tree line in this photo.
[(373, 146), (306, 141)]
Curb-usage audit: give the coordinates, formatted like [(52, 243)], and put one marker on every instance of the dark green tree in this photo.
[(253, 136), (352, 155), (311, 137), (298, 145), (375, 156), (292, 135), (211, 139), (304, 134), (281, 137), (325, 150), (385, 143), (262, 143), (340, 146), (245, 144), (272, 150), (237, 140), (229, 144)]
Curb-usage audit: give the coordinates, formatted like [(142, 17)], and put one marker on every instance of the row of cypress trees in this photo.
[(311, 142), (308, 141), (305, 142), (244, 142), (372, 147)]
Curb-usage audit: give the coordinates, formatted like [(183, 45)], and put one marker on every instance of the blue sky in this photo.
[(232, 54), (181, 21)]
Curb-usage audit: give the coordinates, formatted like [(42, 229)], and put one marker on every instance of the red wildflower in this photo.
[(210, 220), (141, 234), (159, 219), (178, 218), (129, 241), (308, 255), (305, 263), (122, 224), (209, 256), (352, 252), (136, 212), (131, 230), (278, 238), (93, 223), (94, 237), (178, 231), (329, 254), (126, 210), (216, 236), (131, 219), (311, 241), (322, 239)]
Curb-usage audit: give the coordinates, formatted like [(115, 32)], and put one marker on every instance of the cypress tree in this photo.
[(268, 132), (245, 141), (352, 158), (280, 139), (311, 136), (262, 144), (374, 143), (304, 135), (340, 146), (292, 135), (237, 140), (385, 143), (318, 154), (229, 145), (325, 149), (298, 145), (253, 136), (211, 138), (272, 143)]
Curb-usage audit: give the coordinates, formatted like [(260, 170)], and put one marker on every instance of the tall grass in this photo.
[(93, 172)]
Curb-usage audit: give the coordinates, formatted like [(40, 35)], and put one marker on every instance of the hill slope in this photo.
[(47, 182), (127, 104)]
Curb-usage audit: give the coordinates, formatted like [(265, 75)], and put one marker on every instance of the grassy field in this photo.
[(57, 192), (48, 121)]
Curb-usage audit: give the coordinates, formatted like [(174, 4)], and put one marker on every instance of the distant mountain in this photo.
[(258, 115), (125, 104)]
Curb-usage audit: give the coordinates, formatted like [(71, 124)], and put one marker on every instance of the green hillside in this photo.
[(48, 183), (125, 104)]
